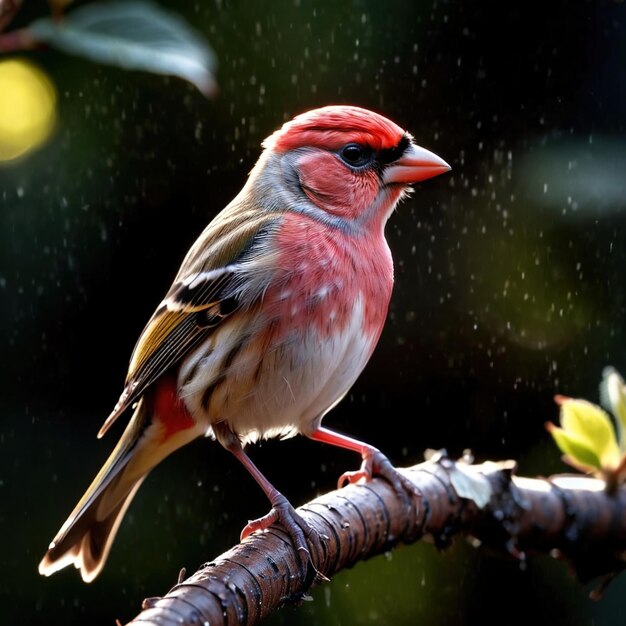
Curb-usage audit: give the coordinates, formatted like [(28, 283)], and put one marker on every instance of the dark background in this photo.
[(509, 286)]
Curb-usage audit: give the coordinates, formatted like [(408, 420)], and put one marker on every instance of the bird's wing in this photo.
[(205, 292)]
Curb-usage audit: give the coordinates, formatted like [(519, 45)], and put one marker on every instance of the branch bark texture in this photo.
[(573, 517)]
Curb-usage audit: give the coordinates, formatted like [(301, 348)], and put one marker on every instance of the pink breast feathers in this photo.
[(326, 272)]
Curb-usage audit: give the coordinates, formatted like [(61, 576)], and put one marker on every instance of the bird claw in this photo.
[(261, 524), (302, 535), (375, 463), (351, 478)]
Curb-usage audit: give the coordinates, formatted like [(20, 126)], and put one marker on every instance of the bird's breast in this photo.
[(322, 270), (276, 367)]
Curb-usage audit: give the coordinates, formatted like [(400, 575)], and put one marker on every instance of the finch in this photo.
[(275, 311)]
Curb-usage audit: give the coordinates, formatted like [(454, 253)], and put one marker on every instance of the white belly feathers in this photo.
[(271, 388)]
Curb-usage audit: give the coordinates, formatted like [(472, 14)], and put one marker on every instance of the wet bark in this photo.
[(572, 517)]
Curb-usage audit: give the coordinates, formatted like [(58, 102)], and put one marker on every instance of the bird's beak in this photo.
[(414, 165)]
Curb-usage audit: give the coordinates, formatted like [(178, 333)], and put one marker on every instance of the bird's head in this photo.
[(348, 162)]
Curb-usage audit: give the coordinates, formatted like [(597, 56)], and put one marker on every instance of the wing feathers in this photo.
[(206, 290), (198, 291)]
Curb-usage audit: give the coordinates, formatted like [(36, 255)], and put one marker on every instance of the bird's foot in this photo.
[(375, 463), (303, 537)]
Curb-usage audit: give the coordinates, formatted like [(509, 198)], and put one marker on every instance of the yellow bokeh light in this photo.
[(27, 108)]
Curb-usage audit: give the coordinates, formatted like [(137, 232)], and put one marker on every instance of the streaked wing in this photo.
[(204, 293)]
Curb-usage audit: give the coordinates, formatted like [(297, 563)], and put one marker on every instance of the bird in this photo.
[(275, 311)]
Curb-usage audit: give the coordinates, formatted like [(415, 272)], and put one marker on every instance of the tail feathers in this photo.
[(87, 543), (86, 537)]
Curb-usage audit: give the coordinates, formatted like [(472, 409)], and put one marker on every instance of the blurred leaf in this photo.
[(613, 398), (576, 451), (586, 429), (133, 35)]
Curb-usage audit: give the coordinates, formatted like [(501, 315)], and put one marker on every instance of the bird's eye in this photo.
[(356, 155)]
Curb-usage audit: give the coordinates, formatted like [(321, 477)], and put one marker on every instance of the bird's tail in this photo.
[(85, 538)]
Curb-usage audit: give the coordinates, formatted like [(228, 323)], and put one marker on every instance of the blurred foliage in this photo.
[(509, 284), (586, 437), (134, 35), (593, 441)]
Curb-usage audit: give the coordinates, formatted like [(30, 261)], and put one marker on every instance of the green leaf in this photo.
[(613, 398), (575, 448), (588, 424), (134, 35)]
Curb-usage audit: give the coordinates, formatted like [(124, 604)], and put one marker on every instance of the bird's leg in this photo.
[(375, 463), (282, 511)]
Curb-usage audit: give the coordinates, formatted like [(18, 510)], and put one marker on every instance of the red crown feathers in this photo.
[(332, 127)]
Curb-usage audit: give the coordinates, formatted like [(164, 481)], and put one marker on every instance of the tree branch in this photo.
[(568, 516)]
